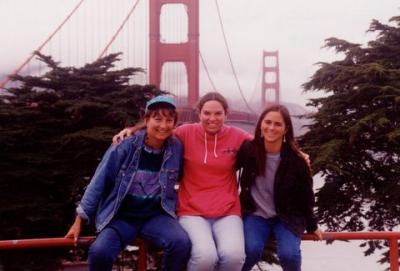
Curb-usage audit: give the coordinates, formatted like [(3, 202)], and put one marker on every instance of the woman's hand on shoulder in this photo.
[(122, 135), (127, 132), (306, 158), (318, 234)]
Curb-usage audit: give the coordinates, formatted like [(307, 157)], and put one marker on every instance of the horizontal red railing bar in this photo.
[(392, 237), (359, 235), (87, 240), (67, 242), (44, 243)]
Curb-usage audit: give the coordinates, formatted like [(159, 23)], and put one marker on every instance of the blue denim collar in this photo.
[(138, 142)]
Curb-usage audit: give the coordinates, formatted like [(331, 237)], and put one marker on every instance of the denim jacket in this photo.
[(114, 175)]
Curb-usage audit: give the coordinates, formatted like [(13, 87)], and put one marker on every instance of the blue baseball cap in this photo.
[(161, 99)]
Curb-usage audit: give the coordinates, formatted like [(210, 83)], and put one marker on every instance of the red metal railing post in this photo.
[(394, 254), (142, 258)]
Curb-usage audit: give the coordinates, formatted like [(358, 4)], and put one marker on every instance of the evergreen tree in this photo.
[(54, 129), (354, 141)]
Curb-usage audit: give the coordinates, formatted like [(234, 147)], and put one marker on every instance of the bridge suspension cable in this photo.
[(207, 72), (17, 70), (256, 85), (119, 29), (230, 58)]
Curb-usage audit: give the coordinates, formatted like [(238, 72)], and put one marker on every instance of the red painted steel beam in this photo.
[(268, 86), (185, 52)]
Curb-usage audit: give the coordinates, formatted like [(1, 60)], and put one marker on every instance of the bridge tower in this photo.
[(184, 52), (270, 86)]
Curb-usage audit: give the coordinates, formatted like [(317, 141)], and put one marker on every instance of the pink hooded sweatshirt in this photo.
[(209, 185)]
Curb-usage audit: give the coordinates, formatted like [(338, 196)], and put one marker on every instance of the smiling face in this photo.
[(159, 126), (212, 116), (273, 128)]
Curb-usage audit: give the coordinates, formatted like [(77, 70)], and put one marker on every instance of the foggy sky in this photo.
[(296, 28)]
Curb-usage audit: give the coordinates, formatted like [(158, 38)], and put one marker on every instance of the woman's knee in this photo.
[(99, 253), (233, 255), (184, 243), (254, 249), (204, 259), (289, 254), (180, 242)]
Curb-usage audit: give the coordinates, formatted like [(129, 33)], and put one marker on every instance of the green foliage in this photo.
[(354, 141), (54, 129)]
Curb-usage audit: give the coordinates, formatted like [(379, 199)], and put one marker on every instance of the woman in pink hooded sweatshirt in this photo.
[(208, 203)]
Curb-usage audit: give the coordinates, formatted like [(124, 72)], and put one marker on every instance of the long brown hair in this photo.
[(258, 141)]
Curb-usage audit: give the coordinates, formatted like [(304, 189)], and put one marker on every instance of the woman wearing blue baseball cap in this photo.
[(133, 192)]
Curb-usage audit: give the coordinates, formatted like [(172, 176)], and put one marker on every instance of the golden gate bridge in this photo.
[(161, 36)]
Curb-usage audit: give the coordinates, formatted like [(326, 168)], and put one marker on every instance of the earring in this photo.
[(284, 138)]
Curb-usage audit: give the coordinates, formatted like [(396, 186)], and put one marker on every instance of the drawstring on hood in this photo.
[(205, 147)]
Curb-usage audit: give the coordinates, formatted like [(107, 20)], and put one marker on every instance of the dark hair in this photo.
[(258, 141), (162, 109), (212, 96)]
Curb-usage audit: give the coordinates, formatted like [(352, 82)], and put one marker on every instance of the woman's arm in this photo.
[(128, 132), (308, 198), (240, 156), (103, 177)]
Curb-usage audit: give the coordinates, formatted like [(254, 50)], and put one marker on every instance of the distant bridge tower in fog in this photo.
[(166, 52), (270, 87)]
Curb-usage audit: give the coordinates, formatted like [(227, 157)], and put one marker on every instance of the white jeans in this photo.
[(217, 244)]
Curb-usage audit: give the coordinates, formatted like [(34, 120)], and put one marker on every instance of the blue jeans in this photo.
[(161, 231), (257, 231)]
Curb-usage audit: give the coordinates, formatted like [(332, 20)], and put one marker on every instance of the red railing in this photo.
[(391, 237), (67, 242)]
